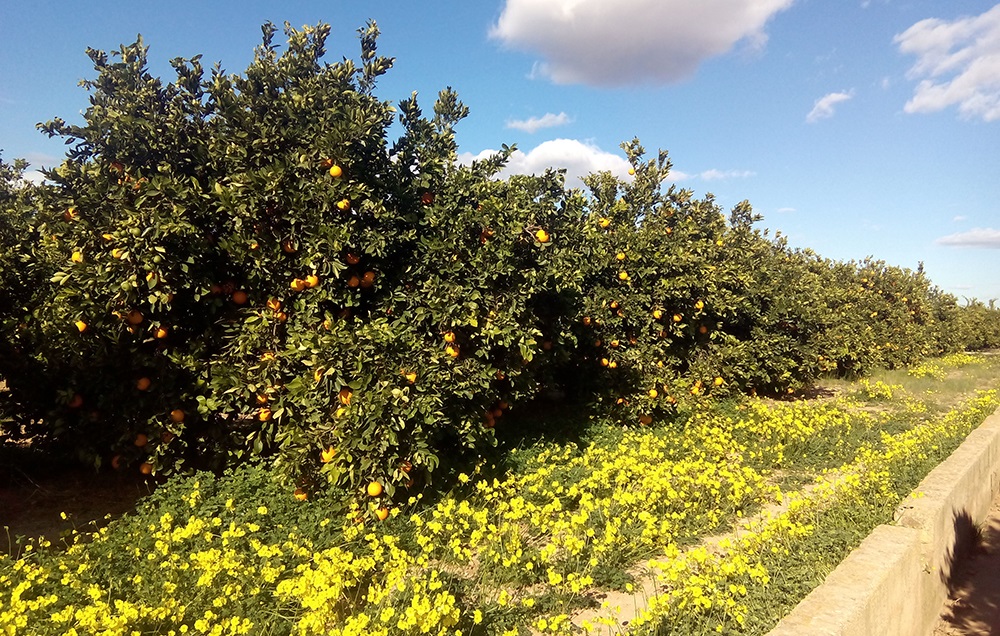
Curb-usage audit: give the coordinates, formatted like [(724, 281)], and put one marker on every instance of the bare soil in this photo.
[(973, 608)]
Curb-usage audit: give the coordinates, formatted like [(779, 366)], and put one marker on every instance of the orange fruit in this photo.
[(177, 415), (80, 326), (262, 399), (345, 395), (146, 468), (614, 344), (542, 236), (166, 437), (368, 279), (623, 275), (327, 454), (653, 393), (274, 304), (612, 365), (298, 285), (143, 384), (162, 333), (336, 171), (312, 280), (405, 467), (719, 381), (318, 374), (116, 462), (631, 171), (678, 318), (353, 281), (645, 420), (240, 297), (141, 440), (411, 377), (605, 362), (76, 401), (620, 256), (69, 214), (614, 304), (134, 317), (452, 351), (300, 494), (587, 321), (374, 489), (604, 222), (77, 257), (382, 514), (264, 415), (288, 247), (699, 305), (117, 253), (703, 330), (352, 259), (344, 205), (281, 316), (449, 336), (547, 345)]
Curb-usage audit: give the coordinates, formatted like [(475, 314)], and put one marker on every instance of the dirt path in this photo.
[(974, 606)]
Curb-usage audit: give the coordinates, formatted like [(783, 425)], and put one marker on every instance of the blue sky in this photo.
[(857, 128)]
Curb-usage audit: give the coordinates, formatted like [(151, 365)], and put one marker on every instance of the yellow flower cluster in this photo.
[(527, 549)]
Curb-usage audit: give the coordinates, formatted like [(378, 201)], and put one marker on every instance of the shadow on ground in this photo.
[(973, 606)]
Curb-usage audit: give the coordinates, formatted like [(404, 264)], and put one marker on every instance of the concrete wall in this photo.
[(896, 582)]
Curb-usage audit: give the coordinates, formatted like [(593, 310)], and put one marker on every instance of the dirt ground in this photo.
[(31, 503), (974, 606)]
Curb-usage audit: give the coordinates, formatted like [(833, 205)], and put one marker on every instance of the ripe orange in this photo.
[(116, 462), (281, 316), (76, 401), (141, 440), (542, 236), (653, 393), (427, 198), (77, 257), (134, 317), (117, 253), (81, 326), (264, 414), (352, 259), (312, 280), (374, 489), (449, 336), (678, 318), (452, 350), (604, 222), (344, 205), (587, 321), (368, 279), (345, 395), (605, 362), (336, 171), (657, 314), (143, 384), (298, 285), (300, 494), (620, 256), (353, 281), (274, 304), (240, 297), (614, 344), (166, 437), (69, 214), (262, 399), (623, 275), (631, 171), (703, 330), (327, 454), (177, 415), (146, 468), (719, 381), (411, 377), (699, 305), (382, 514), (614, 304), (318, 374), (645, 420), (288, 247), (405, 466), (612, 365), (162, 333)]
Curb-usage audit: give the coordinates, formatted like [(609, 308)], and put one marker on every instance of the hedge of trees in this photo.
[(234, 265)]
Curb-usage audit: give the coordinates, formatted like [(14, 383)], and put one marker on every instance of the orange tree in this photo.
[(244, 264)]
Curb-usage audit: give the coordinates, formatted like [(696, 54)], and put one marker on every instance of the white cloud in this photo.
[(716, 175), (577, 157), (786, 210), (534, 124), (824, 106), (978, 237), (958, 64), (605, 43), (960, 218)]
